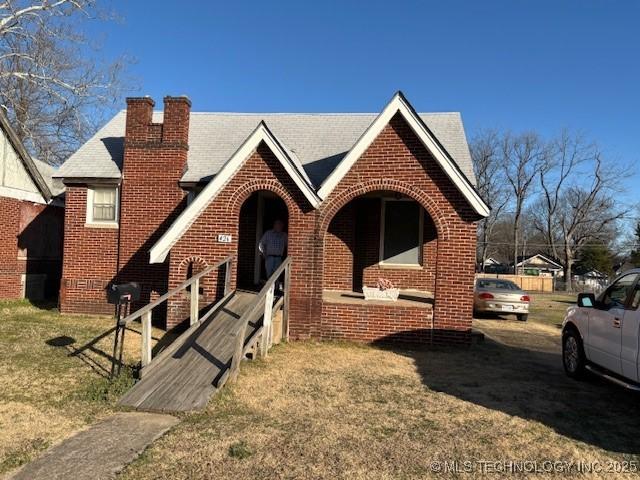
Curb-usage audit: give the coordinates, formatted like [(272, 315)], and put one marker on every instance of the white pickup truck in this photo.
[(602, 334)]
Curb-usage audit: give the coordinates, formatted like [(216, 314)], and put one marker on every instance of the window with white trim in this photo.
[(102, 205), (401, 232)]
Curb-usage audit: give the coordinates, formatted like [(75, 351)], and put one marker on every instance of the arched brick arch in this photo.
[(335, 204), (197, 262), (241, 194)]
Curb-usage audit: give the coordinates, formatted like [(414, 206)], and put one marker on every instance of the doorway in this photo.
[(257, 215)]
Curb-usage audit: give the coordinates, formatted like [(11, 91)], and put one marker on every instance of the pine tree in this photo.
[(595, 257)]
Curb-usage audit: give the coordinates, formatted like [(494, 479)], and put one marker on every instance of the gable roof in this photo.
[(29, 164), (190, 214), (547, 260), (399, 104), (318, 141)]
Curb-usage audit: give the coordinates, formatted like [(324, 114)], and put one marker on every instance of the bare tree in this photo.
[(485, 151), (54, 87), (589, 213), (522, 156), (565, 155)]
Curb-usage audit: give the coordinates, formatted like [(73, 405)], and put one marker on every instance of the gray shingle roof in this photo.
[(48, 171), (319, 141)]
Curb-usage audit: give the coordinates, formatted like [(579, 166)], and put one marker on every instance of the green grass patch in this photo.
[(240, 450)]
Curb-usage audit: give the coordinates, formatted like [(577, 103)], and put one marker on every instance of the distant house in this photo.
[(539, 265), (591, 280), (31, 222), (493, 265), (154, 195)]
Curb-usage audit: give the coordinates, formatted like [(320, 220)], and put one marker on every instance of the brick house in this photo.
[(155, 196), (31, 222)]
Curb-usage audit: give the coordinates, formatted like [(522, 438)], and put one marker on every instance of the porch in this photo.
[(380, 236)]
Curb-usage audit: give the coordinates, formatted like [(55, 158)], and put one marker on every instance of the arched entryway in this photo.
[(258, 214), (381, 234)]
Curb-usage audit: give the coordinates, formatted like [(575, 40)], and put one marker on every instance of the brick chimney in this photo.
[(155, 158), (176, 120), (139, 117)]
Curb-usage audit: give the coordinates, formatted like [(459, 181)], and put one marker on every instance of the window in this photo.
[(401, 232), (497, 284), (102, 206), (617, 294)]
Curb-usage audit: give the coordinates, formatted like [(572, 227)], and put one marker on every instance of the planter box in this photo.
[(374, 293)]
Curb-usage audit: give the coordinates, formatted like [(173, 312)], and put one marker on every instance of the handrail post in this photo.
[(227, 276), (195, 297), (267, 320), (285, 307), (146, 339), (238, 350)]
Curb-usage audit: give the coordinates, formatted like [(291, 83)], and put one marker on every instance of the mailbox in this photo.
[(123, 293)]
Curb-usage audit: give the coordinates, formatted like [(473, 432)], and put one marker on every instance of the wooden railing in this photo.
[(146, 312), (264, 334)]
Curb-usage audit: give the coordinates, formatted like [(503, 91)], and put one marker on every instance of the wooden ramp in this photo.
[(198, 362)]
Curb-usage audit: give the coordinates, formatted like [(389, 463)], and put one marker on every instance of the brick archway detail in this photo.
[(241, 194), (344, 197), (195, 260)]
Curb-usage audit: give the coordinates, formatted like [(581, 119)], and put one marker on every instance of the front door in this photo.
[(604, 338)]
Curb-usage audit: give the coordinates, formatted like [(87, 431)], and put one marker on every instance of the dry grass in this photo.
[(331, 410), (551, 308), (47, 392)]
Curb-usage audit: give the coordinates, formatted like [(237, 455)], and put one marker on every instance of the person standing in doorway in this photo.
[(272, 247)]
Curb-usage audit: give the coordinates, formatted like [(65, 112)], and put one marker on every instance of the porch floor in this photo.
[(407, 298)]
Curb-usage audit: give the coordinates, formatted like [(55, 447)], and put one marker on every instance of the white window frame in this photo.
[(90, 222), (383, 208)]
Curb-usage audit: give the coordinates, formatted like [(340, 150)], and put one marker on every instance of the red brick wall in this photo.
[(89, 261), (374, 322), (9, 267), (398, 161), (31, 243), (340, 245)]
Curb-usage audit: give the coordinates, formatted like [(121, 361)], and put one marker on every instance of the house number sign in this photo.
[(224, 238)]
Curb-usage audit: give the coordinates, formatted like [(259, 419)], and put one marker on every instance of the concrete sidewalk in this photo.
[(100, 451)]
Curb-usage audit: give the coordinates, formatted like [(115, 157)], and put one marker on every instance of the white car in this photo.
[(602, 334)]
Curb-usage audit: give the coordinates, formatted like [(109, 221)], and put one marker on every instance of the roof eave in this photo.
[(28, 162)]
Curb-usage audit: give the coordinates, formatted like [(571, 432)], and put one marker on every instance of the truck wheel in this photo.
[(573, 354), (523, 317)]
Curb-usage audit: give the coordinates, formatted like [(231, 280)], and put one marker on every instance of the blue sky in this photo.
[(519, 65)]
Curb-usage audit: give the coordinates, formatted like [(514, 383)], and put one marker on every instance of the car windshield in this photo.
[(493, 284)]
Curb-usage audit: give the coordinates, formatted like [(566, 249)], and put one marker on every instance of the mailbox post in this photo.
[(121, 295)]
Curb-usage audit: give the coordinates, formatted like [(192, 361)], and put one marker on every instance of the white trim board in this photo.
[(89, 220), (22, 195), (399, 104), (162, 247)]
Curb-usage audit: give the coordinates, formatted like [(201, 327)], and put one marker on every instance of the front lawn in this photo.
[(550, 308), (329, 410), (49, 386), (339, 410)]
